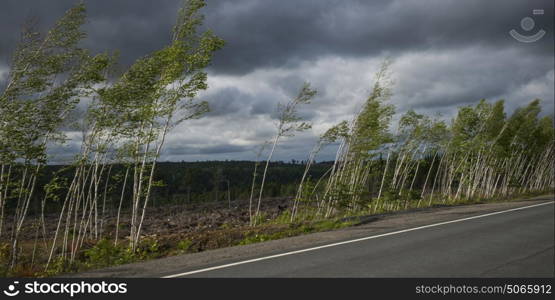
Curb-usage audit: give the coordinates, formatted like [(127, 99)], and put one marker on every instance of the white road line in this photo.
[(350, 241)]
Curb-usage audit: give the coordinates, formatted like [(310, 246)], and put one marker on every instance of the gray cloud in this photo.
[(456, 77), (446, 53), (277, 33)]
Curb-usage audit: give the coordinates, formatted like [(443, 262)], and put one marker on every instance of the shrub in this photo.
[(184, 245), (105, 253)]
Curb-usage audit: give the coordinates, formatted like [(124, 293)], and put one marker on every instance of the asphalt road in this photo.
[(516, 243)]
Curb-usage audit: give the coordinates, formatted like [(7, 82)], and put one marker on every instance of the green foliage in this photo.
[(341, 130), (391, 196), (56, 188), (260, 218), (104, 253), (257, 238), (49, 75), (35, 92), (371, 129), (296, 229), (289, 120), (59, 265), (4, 259), (413, 195), (184, 245)]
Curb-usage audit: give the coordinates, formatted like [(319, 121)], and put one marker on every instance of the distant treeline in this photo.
[(189, 182)]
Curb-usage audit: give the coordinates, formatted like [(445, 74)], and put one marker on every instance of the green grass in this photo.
[(296, 229)]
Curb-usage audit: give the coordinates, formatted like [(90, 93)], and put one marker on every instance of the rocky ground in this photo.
[(198, 222)]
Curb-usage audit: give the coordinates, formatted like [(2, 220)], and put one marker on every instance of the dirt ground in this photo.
[(170, 223)]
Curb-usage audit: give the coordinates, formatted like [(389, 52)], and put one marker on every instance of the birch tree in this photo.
[(288, 123), (156, 94), (368, 134), (49, 74)]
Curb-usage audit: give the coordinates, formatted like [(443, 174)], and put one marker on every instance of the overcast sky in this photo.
[(445, 54)]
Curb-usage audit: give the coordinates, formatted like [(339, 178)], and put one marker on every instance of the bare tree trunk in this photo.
[(119, 206), (383, 180), (256, 214)]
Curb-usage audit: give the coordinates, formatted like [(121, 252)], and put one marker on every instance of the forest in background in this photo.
[(65, 218), (189, 182)]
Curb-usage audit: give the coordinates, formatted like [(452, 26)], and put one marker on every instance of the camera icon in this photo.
[(527, 24)]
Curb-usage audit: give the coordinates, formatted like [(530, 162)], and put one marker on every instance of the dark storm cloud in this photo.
[(277, 33), (446, 53), (134, 27)]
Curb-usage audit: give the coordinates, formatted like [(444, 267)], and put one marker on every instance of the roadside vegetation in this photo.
[(116, 203)]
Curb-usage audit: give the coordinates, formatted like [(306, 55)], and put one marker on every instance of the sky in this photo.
[(444, 54)]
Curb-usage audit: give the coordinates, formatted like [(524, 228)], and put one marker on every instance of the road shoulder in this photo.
[(372, 225)]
